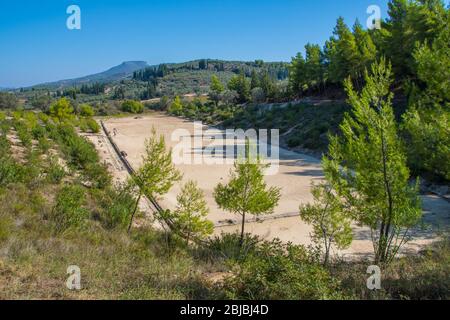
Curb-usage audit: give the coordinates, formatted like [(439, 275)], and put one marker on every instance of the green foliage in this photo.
[(6, 226), (331, 224), (367, 166), (281, 272), (68, 211), (241, 86), (216, 89), (157, 174), (93, 125), (190, 217), (247, 192), (117, 206), (86, 110), (216, 86), (55, 173), (427, 132), (61, 109), (176, 107), (8, 101), (132, 106), (79, 151), (41, 102)]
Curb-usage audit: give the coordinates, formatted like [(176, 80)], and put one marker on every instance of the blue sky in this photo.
[(36, 46)]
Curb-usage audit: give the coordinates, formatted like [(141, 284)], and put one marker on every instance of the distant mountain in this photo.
[(122, 71)]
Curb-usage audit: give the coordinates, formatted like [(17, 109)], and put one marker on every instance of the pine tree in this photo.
[(367, 166), (247, 192), (189, 220), (331, 224), (157, 173), (367, 52)]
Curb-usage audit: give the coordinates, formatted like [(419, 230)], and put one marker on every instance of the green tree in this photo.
[(61, 109), (86, 110), (343, 53), (157, 174), (411, 22), (190, 217), (176, 107), (367, 166), (216, 89), (241, 85), (366, 53), (254, 82), (297, 79), (313, 67), (8, 101), (132, 106), (426, 124), (331, 223), (247, 192)]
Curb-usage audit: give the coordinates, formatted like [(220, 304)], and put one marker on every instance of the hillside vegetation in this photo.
[(59, 207)]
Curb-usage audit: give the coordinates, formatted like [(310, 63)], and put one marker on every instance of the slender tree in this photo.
[(190, 217), (331, 223), (247, 192), (367, 166), (157, 174)]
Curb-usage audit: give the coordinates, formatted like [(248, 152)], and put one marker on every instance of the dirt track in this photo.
[(296, 173)]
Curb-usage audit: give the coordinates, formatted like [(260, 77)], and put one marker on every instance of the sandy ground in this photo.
[(295, 175)]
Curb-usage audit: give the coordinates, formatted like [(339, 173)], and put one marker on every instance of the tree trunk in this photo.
[(134, 212), (241, 242)]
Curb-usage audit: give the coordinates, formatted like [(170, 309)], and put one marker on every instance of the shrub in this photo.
[(83, 125), (98, 175), (86, 111), (38, 132), (61, 109), (10, 171), (55, 172), (132, 106), (79, 150), (117, 207), (277, 271), (68, 211), (44, 144), (93, 126), (8, 101), (5, 228)]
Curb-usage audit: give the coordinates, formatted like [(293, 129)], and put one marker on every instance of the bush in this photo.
[(86, 111), (44, 144), (132, 106), (79, 151), (61, 109), (117, 207), (276, 271), (55, 172), (38, 132), (93, 126), (8, 101), (68, 211), (5, 228), (97, 174), (10, 171), (83, 125)]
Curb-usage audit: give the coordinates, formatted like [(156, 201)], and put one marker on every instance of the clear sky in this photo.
[(36, 46)]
